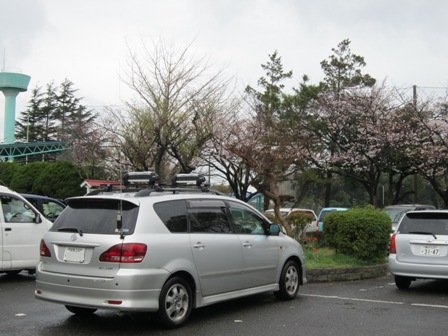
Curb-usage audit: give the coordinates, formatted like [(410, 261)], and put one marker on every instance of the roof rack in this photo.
[(189, 180), (140, 178), (148, 192), (148, 183)]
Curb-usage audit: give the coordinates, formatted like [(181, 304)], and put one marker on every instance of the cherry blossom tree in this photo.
[(427, 132)]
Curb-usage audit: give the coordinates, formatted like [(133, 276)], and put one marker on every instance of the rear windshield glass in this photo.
[(97, 216), (421, 223)]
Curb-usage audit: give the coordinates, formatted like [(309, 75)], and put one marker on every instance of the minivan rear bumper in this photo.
[(128, 290), (416, 270)]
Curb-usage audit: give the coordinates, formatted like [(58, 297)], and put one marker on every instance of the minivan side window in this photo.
[(208, 220), (208, 216), (245, 221), (173, 214), (16, 211)]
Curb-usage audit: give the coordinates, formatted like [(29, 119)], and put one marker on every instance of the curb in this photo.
[(346, 274)]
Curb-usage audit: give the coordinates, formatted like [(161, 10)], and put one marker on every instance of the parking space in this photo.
[(368, 307)]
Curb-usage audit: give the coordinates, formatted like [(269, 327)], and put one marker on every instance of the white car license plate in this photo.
[(429, 251), (74, 254)]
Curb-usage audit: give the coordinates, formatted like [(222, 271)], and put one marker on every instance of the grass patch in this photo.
[(325, 257)]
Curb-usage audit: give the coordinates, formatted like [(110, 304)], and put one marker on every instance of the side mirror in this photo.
[(274, 229), (37, 219)]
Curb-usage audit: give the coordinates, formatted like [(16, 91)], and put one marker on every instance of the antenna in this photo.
[(119, 228)]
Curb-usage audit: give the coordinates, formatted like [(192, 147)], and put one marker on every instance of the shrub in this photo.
[(25, 176), (60, 180), (297, 221), (7, 170), (362, 233)]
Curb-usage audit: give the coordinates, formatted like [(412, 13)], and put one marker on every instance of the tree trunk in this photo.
[(328, 185)]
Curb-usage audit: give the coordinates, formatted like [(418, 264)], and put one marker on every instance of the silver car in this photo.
[(395, 212), (419, 247), (163, 252)]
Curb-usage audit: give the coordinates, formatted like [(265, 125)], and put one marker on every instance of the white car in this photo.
[(419, 247), (22, 228), (164, 251), (285, 212)]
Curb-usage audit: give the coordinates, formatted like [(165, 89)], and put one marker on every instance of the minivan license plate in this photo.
[(429, 251), (74, 254)]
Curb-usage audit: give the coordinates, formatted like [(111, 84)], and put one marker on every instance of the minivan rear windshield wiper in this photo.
[(424, 233), (71, 229)]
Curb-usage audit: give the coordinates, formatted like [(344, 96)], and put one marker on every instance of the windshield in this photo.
[(395, 214), (97, 216), (323, 213)]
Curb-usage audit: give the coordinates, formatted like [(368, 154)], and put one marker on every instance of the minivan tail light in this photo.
[(125, 253), (44, 250), (392, 245)]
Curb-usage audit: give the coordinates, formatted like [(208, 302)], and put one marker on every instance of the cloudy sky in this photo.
[(87, 41)]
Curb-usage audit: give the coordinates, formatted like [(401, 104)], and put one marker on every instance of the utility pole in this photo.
[(414, 102)]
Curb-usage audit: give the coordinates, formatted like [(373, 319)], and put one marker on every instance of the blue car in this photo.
[(323, 213)]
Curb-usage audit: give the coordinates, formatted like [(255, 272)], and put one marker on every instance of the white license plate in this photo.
[(74, 254), (429, 251)]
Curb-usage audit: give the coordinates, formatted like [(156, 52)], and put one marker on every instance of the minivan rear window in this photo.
[(424, 222), (97, 216)]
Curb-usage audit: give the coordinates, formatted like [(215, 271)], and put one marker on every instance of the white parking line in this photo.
[(429, 305), (374, 301), (352, 299)]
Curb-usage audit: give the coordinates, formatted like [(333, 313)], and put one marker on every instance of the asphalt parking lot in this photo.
[(366, 307)]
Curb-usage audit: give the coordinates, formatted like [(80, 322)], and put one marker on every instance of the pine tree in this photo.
[(73, 117), (30, 126), (57, 114)]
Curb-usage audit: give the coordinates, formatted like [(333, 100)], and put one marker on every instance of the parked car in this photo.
[(22, 228), (163, 250), (285, 212), (397, 211), (50, 207), (419, 247), (323, 212)]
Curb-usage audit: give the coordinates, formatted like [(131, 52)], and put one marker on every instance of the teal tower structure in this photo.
[(11, 84)]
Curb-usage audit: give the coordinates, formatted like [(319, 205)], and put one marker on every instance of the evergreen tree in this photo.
[(29, 126), (57, 114), (343, 71), (48, 113), (73, 117)]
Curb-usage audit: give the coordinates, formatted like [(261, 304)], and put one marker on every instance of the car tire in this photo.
[(80, 310), (175, 302), (289, 281), (402, 282)]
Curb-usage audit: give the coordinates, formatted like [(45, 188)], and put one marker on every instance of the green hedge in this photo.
[(362, 233), (59, 179)]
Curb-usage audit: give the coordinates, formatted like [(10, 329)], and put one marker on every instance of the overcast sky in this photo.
[(86, 41)]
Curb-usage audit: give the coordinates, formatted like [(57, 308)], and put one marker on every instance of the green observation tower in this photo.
[(11, 84)]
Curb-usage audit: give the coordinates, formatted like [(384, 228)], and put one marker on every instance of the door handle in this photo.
[(8, 229), (247, 244), (199, 245)]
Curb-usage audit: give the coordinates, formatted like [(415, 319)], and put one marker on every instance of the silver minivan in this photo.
[(164, 252)]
